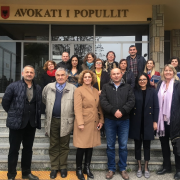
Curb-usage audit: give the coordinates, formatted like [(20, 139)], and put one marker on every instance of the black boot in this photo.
[(88, 156), (79, 173), (79, 158)]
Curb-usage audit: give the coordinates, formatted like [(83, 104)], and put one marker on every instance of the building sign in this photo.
[(44, 13), (85, 13)]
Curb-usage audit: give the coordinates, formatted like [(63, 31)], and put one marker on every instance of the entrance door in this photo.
[(74, 48)]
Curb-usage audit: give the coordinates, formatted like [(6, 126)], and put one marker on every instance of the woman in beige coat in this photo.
[(88, 122)]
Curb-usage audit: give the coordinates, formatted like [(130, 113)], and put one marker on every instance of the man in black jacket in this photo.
[(22, 102), (117, 100), (136, 63), (65, 63)]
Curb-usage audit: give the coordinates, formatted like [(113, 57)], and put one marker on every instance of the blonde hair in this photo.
[(153, 70), (81, 77), (174, 72)]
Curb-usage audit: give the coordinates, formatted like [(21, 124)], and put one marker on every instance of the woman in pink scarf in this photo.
[(169, 117)]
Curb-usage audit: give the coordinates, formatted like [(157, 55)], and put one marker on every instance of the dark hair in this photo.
[(174, 57), (132, 46), (79, 69), (111, 52), (86, 57), (137, 86)]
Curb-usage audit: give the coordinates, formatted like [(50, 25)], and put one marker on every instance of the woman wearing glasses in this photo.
[(143, 120), (102, 78)]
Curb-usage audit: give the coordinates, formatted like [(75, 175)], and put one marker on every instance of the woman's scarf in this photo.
[(89, 64), (165, 101), (49, 73), (98, 74)]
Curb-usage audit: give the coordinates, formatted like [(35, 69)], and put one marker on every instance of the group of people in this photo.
[(85, 98)]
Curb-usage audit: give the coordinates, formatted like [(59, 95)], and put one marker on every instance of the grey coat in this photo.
[(67, 107)]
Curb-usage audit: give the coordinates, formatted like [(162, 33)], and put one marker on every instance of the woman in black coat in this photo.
[(102, 78), (143, 120), (47, 76), (169, 118), (128, 75)]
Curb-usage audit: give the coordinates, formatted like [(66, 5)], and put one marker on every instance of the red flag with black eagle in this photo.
[(5, 12)]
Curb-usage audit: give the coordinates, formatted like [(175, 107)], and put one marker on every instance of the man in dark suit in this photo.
[(65, 63), (22, 102)]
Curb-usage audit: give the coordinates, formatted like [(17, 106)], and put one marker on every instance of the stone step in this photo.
[(3, 129), (97, 163), (41, 138), (3, 115), (3, 119), (43, 149)]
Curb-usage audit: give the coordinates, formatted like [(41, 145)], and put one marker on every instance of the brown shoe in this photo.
[(124, 175), (110, 174)]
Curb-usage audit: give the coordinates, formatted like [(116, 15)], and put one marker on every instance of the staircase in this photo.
[(40, 160)]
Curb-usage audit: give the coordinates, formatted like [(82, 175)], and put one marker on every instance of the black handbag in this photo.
[(176, 146)]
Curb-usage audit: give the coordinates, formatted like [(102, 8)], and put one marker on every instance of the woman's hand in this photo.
[(152, 83), (100, 126), (155, 126), (99, 92), (81, 127)]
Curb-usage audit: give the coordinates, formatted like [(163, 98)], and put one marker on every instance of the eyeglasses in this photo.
[(141, 80), (98, 63)]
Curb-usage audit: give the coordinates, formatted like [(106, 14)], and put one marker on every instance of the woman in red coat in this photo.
[(150, 70)]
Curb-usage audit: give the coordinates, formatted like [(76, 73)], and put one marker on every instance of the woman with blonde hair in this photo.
[(150, 70), (169, 118), (89, 120)]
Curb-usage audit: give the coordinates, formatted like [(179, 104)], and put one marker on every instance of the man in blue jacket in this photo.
[(22, 102), (136, 63)]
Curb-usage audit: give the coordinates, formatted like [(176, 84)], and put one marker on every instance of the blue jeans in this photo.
[(121, 129)]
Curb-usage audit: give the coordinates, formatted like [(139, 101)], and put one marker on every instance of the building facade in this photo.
[(32, 33)]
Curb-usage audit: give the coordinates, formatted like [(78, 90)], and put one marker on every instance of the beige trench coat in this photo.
[(67, 107), (88, 112)]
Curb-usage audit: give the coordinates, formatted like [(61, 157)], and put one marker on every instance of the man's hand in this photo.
[(118, 114)]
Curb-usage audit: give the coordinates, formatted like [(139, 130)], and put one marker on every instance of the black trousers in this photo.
[(166, 150), (26, 136), (79, 156), (146, 148)]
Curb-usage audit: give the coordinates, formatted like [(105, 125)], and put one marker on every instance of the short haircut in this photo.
[(111, 52), (65, 52), (61, 69), (81, 77), (98, 59), (174, 57), (174, 72), (132, 46), (28, 66), (86, 57), (46, 64)]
